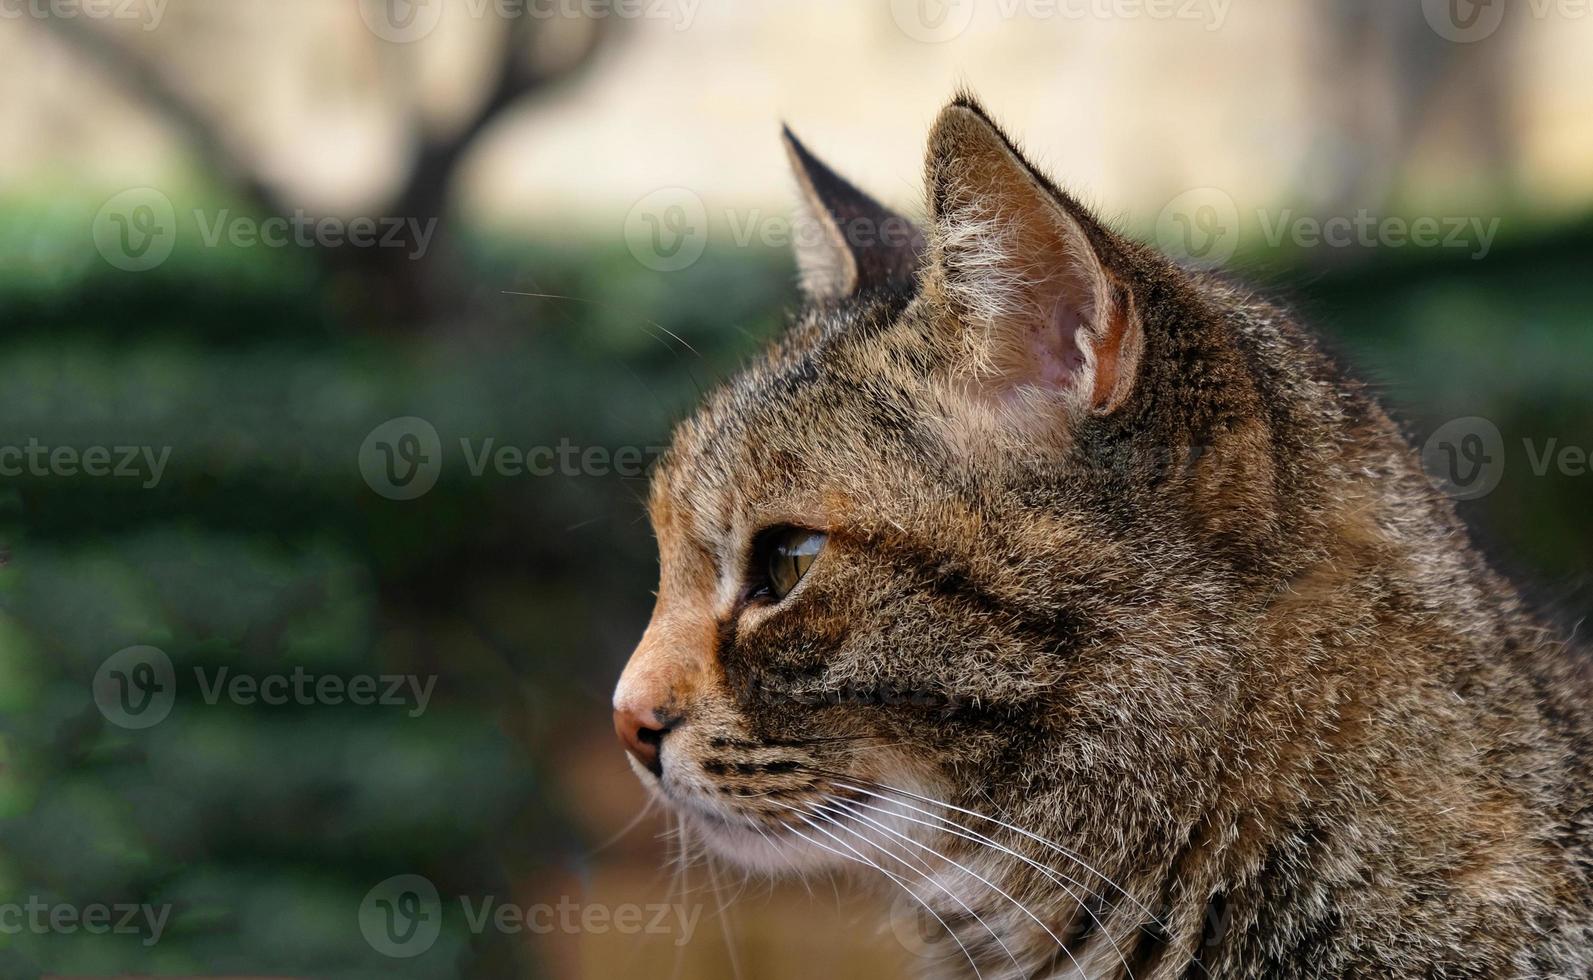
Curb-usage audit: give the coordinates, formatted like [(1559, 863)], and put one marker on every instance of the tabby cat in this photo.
[(1081, 599)]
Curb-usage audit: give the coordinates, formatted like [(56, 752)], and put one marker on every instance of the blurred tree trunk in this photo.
[(377, 288), (1381, 74)]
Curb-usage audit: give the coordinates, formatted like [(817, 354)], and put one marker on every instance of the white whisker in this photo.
[(927, 873), (724, 923), (989, 884), (860, 859), (1058, 848), (951, 826)]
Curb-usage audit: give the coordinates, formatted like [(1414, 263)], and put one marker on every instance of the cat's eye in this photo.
[(781, 557)]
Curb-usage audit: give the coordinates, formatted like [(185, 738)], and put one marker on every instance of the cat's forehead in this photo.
[(816, 404)]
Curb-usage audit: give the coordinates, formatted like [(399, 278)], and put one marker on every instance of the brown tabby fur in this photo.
[(1193, 612)]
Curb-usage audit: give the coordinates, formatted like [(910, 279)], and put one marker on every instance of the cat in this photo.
[(1085, 603)]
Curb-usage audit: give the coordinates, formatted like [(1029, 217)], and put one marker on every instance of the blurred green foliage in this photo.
[(262, 549)]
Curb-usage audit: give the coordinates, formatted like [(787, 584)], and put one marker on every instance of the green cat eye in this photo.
[(787, 554)]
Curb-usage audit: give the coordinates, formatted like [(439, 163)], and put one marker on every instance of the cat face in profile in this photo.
[(1042, 577)]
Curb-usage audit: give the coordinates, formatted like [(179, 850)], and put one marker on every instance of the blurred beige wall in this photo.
[(1129, 102)]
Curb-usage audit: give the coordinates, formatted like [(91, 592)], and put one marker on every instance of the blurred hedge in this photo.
[(263, 549)]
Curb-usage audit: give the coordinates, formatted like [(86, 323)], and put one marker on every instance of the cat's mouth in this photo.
[(779, 806)]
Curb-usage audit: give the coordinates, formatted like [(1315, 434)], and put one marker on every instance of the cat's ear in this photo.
[(846, 242), (1027, 271)]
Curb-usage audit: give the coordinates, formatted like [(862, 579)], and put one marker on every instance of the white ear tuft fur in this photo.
[(1013, 256)]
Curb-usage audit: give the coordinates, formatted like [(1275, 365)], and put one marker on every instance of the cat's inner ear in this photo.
[(846, 242), (1038, 305)]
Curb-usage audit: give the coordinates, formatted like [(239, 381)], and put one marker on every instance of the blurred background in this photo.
[(336, 339)]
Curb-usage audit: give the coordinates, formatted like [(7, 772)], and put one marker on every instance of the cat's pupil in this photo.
[(791, 554)]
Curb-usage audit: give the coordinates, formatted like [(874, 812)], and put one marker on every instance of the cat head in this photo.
[(978, 524)]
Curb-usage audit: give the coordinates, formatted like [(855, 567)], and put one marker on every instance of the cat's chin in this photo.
[(766, 850)]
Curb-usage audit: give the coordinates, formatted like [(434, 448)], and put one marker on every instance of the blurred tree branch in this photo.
[(515, 75), (384, 286), (168, 100)]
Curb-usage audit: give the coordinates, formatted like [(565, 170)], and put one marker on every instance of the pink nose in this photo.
[(643, 736)]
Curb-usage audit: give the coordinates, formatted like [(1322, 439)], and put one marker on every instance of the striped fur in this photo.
[(1211, 649)]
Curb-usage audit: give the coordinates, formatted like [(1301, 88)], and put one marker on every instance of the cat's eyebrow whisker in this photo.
[(927, 873), (951, 826), (989, 884), (860, 859), (598, 302)]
